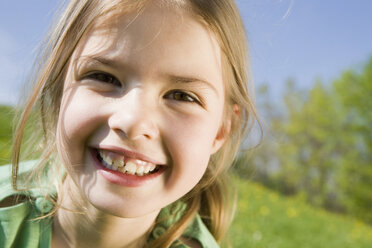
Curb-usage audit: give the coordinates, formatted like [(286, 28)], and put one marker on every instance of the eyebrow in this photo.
[(103, 61), (181, 79)]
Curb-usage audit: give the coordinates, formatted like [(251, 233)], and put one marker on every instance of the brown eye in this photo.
[(178, 95), (105, 78)]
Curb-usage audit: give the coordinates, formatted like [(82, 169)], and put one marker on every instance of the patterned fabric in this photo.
[(18, 227)]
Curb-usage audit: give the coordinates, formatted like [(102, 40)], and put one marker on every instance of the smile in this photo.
[(118, 162), (125, 168)]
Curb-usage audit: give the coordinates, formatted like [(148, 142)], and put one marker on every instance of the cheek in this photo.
[(189, 143), (77, 120)]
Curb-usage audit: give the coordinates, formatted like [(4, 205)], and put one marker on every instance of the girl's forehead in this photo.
[(142, 10)]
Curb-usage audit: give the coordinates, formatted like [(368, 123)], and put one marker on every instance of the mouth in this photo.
[(124, 167), (126, 163), (118, 162)]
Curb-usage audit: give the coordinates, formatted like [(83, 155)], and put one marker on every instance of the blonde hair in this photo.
[(210, 197)]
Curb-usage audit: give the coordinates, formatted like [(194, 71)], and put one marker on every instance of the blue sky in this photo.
[(296, 39)]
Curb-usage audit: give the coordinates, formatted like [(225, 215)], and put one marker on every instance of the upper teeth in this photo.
[(132, 167)]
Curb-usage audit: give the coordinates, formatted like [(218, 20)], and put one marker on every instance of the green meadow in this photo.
[(6, 118), (264, 218)]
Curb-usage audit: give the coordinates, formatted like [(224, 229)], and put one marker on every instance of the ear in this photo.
[(224, 131), (221, 136)]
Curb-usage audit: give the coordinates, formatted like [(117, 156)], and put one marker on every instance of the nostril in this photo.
[(120, 133)]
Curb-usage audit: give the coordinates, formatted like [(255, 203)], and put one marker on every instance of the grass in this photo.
[(6, 117), (264, 218)]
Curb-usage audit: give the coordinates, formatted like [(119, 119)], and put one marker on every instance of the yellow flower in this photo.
[(264, 211), (273, 197), (291, 212)]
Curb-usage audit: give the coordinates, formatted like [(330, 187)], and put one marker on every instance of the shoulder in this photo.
[(6, 188), (198, 231), (196, 234), (18, 209), (36, 193)]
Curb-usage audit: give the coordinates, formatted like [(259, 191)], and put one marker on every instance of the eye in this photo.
[(178, 95), (105, 78)]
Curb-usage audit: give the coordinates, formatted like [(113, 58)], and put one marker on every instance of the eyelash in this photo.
[(105, 78), (179, 95)]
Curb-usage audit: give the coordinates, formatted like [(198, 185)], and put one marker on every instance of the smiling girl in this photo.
[(143, 105)]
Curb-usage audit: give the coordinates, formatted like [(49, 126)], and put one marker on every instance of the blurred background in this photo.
[(309, 181)]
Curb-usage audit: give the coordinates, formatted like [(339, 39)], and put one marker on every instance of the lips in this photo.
[(124, 167)]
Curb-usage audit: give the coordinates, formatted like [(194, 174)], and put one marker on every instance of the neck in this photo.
[(83, 225)]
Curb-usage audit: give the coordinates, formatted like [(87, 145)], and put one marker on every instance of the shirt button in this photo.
[(158, 231)]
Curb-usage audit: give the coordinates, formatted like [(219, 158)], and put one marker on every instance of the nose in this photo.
[(133, 116)]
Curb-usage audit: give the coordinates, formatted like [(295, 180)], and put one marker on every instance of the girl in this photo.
[(142, 106)]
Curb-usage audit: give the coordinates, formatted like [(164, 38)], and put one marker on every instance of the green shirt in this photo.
[(18, 229)]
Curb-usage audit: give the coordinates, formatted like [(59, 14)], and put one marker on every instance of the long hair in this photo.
[(211, 197)]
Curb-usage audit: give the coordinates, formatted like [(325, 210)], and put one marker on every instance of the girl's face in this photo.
[(141, 111)]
